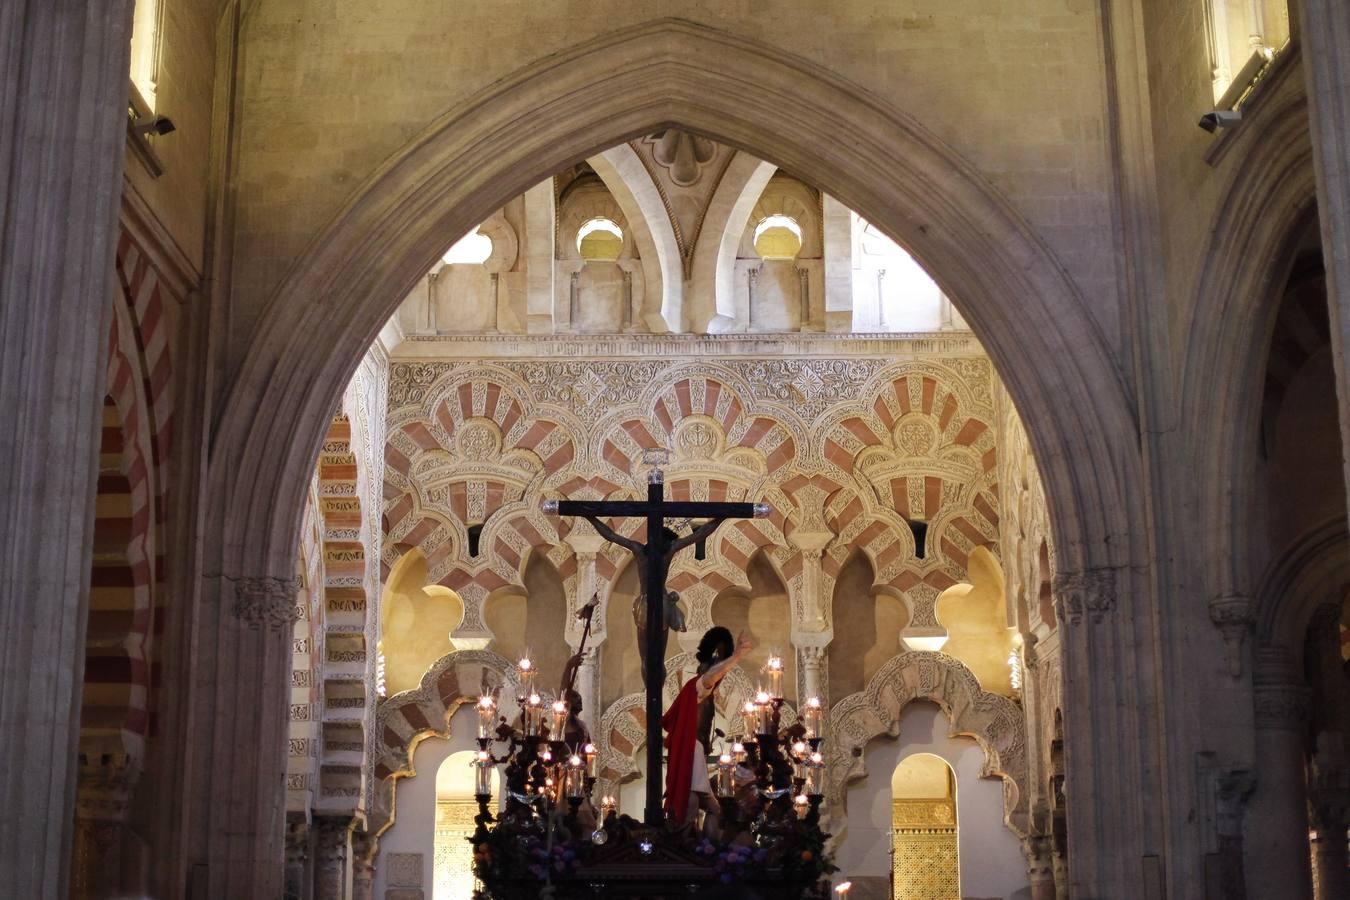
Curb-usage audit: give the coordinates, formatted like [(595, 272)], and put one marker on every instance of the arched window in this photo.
[(1242, 36), (472, 249), (600, 240), (778, 237), (891, 291), (145, 27)]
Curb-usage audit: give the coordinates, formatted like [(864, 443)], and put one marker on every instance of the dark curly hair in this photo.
[(715, 639)]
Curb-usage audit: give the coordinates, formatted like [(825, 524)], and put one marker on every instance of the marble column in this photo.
[(811, 661), (63, 110), (332, 855), (1038, 850), (297, 861), (1277, 824), (364, 847), (1323, 28), (105, 787)]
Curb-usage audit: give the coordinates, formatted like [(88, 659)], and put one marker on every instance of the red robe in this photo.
[(681, 723)]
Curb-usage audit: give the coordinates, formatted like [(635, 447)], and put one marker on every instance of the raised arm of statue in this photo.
[(609, 534), (696, 535)]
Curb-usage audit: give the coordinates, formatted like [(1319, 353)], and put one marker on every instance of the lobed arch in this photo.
[(407, 718), (996, 723)]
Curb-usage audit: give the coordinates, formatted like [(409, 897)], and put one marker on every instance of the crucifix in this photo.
[(654, 557)]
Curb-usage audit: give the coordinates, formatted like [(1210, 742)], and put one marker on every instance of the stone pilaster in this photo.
[(61, 144), (1277, 827)]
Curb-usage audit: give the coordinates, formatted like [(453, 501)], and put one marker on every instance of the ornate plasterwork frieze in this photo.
[(265, 601)]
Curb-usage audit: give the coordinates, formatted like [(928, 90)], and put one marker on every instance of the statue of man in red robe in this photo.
[(689, 723)]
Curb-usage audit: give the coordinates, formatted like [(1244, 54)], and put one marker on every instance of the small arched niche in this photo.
[(416, 621), (765, 614), (872, 636), (975, 616), (533, 621)]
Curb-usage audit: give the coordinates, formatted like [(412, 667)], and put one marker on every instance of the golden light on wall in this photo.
[(455, 808), (924, 862)]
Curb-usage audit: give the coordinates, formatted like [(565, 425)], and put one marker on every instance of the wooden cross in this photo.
[(654, 557)]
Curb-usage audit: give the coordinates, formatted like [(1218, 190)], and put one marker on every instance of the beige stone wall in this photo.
[(1017, 90), (185, 93)]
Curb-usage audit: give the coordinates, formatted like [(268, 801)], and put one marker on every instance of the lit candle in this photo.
[(546, 755), (762, 710), (775, 667), (534, 714), (750, 715), (483, 774), (799, 749), (811, 717), (589, 750), (487, 707), (559, 718), (726, 768), (843, 888), (800, 804), (815, 773), (606, 806), (526, 670), (739, 749), (575, 776)]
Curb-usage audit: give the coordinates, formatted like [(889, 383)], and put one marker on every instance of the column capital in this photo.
[(1089, 593), (265, 601)]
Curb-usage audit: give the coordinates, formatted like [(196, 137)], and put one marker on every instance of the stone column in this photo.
[(812, 663), (1277, 827), (364, 848), (236, 797), (1038, 849), (63, 110), (297, 861), (811, 538), (585, 543), (332, 852), (105, 788), (1323, 28)]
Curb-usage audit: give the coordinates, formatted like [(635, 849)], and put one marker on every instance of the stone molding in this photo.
[(1090, 593), (647, 346), (266, 601)]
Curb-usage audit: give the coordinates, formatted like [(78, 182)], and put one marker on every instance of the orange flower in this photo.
[(807, 856)]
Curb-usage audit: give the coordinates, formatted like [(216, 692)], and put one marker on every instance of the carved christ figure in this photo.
[(672, 616)]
